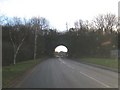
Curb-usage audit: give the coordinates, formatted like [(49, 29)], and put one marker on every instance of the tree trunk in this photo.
[(14, 62), (35, 47), (16, 48)]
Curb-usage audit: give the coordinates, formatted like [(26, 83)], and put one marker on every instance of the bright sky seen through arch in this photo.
[(61, 48), (58, 12)]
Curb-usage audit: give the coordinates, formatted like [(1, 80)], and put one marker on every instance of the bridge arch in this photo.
[(61, 51), (60, 48)]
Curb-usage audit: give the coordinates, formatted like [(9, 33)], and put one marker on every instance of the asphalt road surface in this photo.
[(64, 73)]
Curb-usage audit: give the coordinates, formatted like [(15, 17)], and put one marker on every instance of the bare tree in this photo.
[(3, 18), (99, 23), (106, 22), (17, 35), (110, 22), (78, 24), (81, 24), (38, 24)]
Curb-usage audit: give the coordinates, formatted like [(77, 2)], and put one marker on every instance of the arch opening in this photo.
[(61, 51)]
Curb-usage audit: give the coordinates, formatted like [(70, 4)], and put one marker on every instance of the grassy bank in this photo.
[(112, 63), (12, 72)]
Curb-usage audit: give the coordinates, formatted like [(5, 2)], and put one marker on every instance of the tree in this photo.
[(106, 23), (99, 23), (110, 22), (17, 35), (38, 24)]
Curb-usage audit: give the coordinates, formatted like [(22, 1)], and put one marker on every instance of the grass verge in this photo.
[(112, 63), (12, 72)]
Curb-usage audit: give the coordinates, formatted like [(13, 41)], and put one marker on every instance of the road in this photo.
[(64, 73)]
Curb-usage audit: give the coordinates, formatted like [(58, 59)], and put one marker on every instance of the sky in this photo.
[(59, 12), (61, 48)]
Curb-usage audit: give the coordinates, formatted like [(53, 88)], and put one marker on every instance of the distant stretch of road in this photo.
[(64, 73)]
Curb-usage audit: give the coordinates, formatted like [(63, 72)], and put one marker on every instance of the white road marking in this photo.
[(95, 80), (85, 74)]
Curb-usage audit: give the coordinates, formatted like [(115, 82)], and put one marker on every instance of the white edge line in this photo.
[(86, 75), (95, 80)]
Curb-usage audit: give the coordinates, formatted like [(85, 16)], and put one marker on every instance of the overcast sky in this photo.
[(58, 12)]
